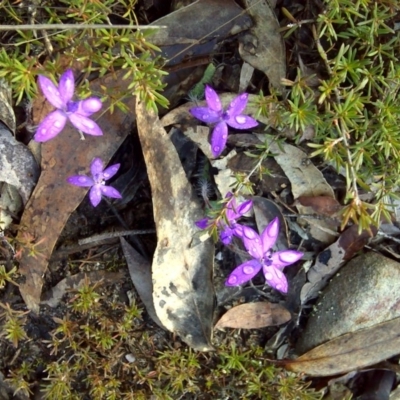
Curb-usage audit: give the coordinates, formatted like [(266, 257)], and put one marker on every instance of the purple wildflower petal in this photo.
[(241, 122), (80, 180), (202, 223), (282, 259), (235, 212), (270, 234), (275, 278), (219, 137), (50, 91), (238, 230), (213, 101), (109, 172), (252, 242), (66, 86), (109, 191), (89, 106), (237, 105), (243, 273), (51, 126), (95, 195), (96, 167), (205, 114), (245, 207), (85, 125), (226, 235), (231, 214)]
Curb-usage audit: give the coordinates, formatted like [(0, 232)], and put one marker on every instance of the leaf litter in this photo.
[(177, 286)]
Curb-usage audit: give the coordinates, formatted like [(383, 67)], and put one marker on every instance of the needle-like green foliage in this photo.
[(354, 109), (100, 51)]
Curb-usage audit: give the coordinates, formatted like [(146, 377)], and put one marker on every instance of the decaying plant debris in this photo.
[(135, 297)]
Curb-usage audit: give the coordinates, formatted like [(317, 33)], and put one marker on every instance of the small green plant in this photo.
[(12, 324), (20, 379), (7, 276)]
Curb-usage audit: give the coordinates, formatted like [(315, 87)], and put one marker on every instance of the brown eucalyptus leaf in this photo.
[(323, 205), (254, 316), (351, 351), (263, 48), (53, 199), (183, 291)]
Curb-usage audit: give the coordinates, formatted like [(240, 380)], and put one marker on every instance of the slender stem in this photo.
[(29, 27), (109, 235)]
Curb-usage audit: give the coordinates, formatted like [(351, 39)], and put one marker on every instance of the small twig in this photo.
[(109, 235), (385, 235), (29, 27)]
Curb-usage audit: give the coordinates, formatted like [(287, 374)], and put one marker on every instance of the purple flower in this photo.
[(100, 175), (228, 226), (76, 111), (259, 247), (214, 114)]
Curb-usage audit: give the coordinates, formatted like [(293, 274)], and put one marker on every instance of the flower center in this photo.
[(99, 179), (267, 259), (72, 106), (225, 116)]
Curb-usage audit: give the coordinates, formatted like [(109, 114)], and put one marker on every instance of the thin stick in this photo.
[(109, 235), (75, 26)]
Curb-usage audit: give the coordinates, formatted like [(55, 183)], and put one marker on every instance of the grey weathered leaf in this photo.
[(263, 48), (140, 272), (183, 291)]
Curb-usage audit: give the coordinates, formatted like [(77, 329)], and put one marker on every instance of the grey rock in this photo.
[(364, 293)]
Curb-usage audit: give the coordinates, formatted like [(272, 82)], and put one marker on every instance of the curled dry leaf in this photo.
[(351, 351), (183, 291), (254, 316)]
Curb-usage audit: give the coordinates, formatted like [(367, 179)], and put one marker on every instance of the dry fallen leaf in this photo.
[(323, 205), (53, 199), (183, 291), (254, 316), (194, 30), (263, 48), (351, 351), (306, 180), (140, 272)]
